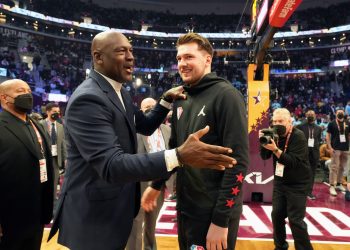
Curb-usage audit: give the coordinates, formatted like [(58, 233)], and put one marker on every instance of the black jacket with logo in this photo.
[(206, 192)]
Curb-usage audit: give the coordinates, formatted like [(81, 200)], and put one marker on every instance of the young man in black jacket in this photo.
[(291, 181), (209, 202)]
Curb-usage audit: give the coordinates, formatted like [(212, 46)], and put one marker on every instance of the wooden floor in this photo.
[(170, 243)]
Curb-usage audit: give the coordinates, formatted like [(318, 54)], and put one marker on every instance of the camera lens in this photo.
[(265, 139)]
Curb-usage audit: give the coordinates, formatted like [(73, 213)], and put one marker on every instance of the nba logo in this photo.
[(195, 247)]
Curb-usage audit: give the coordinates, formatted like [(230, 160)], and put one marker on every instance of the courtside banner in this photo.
[(281, 11)]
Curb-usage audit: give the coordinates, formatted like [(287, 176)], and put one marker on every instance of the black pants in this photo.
[(314, 159), (194, 232), (30, 241), (289, 203)]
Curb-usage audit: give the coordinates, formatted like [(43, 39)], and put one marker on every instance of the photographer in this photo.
[(291, 180)]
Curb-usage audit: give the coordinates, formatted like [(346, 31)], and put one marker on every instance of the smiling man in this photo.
[(101, 194), (209, 202)]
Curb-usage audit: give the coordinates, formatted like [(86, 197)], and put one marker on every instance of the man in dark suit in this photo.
[(101, 194), (26, 174), (145, 222), (58, 144), (312, 134)]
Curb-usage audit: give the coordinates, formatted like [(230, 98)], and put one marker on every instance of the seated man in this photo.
[(325, 160)]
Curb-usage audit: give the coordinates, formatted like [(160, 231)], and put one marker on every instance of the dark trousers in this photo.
[(314, 159), (194, 232), (288, 202), (30, 241)]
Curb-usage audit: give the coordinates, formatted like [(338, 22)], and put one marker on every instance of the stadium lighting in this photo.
[(138, 82)]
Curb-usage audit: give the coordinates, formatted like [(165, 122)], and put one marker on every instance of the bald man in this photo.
[(101, 191), (26, 172), (143, 229)]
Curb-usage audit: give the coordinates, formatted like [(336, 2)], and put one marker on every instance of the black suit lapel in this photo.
[(108, 89), (128, 112), (14, 127)]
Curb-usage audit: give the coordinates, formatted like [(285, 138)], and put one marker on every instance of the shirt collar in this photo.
[(116, 85)]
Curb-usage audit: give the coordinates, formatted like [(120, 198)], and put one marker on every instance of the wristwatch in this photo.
[(276, 150)]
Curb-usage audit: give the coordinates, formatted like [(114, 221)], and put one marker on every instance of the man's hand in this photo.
[(149, 199), (271, 146), (217, 237), (198, 154), (175, 93)]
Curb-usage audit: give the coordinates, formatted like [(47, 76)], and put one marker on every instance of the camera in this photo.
[(269, 135)]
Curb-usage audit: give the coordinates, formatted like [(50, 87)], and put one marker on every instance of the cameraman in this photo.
[(291, 180)]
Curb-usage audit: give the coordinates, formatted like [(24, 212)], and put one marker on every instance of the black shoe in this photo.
[(311, 197)]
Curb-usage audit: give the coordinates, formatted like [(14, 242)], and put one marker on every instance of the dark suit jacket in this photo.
[(100, 194), (25, 203), (317, 132), (147, 222), (61, 144)]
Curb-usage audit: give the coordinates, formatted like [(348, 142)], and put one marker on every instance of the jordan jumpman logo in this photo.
[(202, 111)]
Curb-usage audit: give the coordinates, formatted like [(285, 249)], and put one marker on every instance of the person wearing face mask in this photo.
[(337, 139), (58, 144), (313, 134), (26, 172), (291, 181)]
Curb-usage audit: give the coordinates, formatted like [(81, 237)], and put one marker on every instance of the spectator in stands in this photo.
[(26, 173)]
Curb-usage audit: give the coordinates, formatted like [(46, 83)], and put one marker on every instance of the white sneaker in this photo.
[(340, 188), (332, 191)]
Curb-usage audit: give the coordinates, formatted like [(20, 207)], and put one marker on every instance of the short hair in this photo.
[(203, 43), (283, 112), (51, 105)]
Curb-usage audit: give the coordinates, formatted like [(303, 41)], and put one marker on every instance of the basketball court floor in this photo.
[(328, 220)]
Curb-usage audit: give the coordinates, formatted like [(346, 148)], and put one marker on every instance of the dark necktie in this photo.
[(53, 134)]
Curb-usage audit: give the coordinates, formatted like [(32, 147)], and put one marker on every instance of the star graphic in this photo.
[(257, 98), (258, 120), (235, 191), (253, 127), (230, 203), (263, 113), (240, 177)]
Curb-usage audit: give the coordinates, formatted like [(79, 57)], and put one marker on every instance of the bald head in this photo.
[(147, 104), (10, 85), (9, 90), (112, 56), (105, 39)]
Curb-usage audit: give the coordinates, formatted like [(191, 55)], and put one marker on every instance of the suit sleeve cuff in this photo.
[(171, 160), (165, 104)]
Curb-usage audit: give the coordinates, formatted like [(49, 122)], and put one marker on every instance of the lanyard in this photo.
[(39, 138), (339, 126), (287, 140)]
